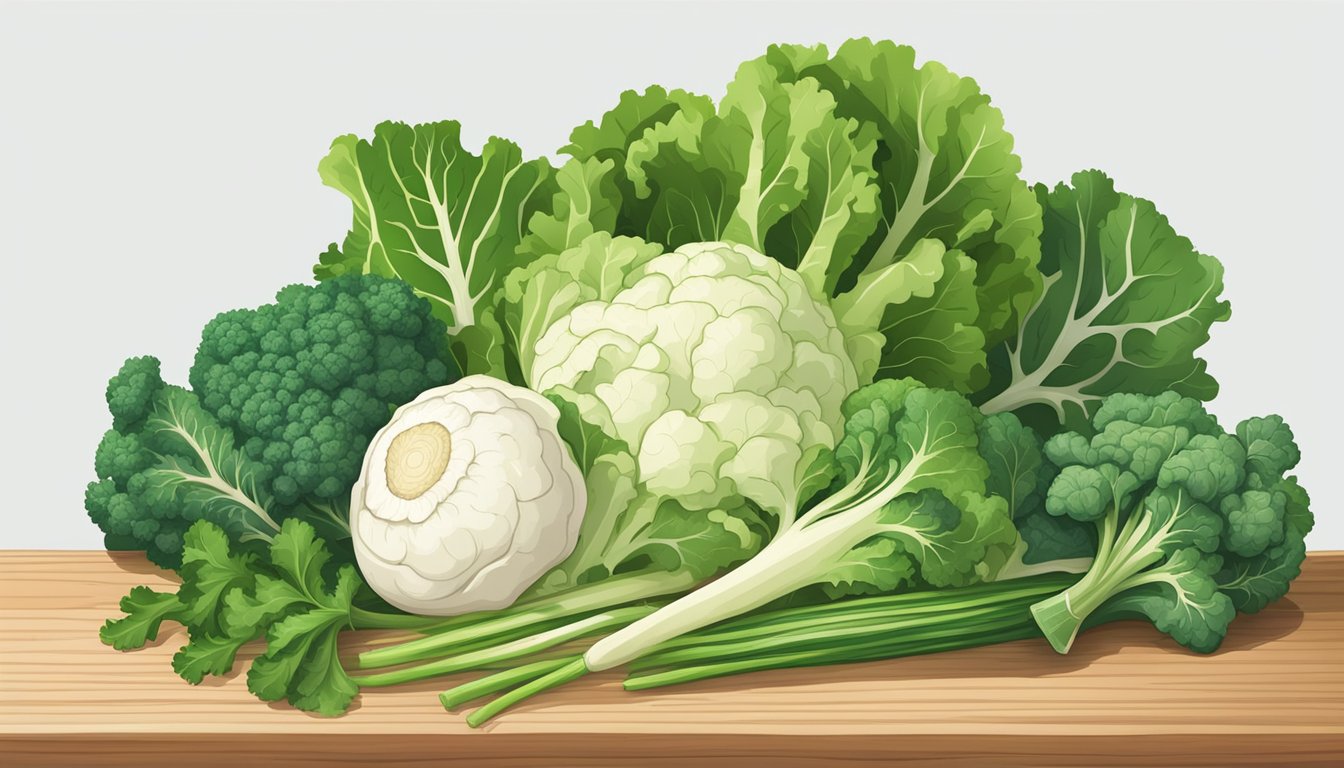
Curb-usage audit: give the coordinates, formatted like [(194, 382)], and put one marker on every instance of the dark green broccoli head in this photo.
[(130, 393), (1266, 523), (1192, 523), (286, 399), (117, 502), (304, 383), (166, 465)]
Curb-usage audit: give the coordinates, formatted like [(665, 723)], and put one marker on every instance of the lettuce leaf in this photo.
[(891, 189), (1127, 303), (428, 211)]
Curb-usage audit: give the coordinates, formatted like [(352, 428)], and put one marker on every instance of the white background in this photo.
[(157, 165)]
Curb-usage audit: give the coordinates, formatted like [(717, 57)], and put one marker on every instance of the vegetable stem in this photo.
[(1061, 617), (572, 670), (969, 635), (834, 625), (836, 632), (461, 694), (772, 573), (495, 654), (366, 619), (616, 591), (853, 630)]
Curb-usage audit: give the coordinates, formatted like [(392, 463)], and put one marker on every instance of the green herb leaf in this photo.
[(145, 610)]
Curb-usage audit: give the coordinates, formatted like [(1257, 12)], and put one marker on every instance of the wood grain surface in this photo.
[(1274, 694)]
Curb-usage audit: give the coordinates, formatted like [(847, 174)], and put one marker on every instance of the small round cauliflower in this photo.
[(716, 366), (466, 497)]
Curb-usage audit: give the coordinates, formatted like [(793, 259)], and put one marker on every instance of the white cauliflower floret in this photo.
[(466, 497), (715, 365)]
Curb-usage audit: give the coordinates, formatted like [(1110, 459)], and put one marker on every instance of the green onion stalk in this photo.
[(853, 630)]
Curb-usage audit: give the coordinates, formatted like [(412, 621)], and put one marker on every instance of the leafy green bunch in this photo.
[(889, 185), (231, 596)]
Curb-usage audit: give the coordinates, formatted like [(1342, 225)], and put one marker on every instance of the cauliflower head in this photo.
[(716, 366), (466, 497)]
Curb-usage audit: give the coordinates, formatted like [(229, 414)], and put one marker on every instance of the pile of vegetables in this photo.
[(809, 375)]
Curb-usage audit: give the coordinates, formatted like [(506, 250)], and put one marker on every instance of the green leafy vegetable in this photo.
[(890, 187), (944, 166), (167, 463), (1127, 303), (731, 175), (608, 141), (283, 402), (229, 598), (145, 612), (300, 663), (917, 317), (1181, 510), (585, 202), (432, 213), (1020, 474)]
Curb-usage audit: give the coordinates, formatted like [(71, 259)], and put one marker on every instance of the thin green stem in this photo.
[(362, 618), (498, 641), (461, 694), (605, 594), (572, 670), (833, 635), (494, 654), (869, 608), (963, 637), (852, 626)]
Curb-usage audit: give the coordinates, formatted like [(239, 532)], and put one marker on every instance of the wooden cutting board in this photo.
[(1274, 694)]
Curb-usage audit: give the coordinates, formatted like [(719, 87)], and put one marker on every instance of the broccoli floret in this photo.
[(1192, 524), (286, 398), (120, 456), (130, 394), (1020, 473), (166, 465), (117, 502), (304, 383)]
